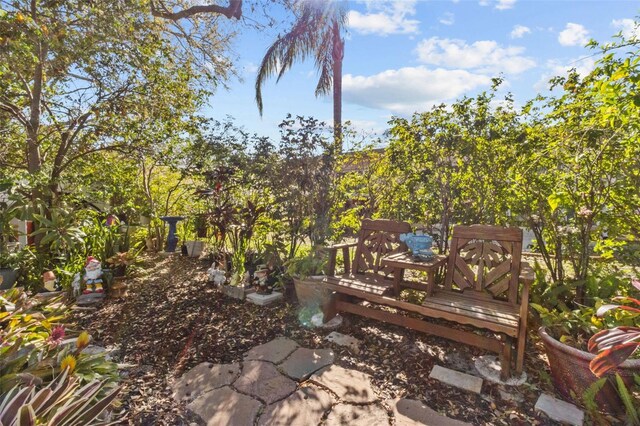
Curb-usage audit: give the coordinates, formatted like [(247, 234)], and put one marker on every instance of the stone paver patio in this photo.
[(280, 383)]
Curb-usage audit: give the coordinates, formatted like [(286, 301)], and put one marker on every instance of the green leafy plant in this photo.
[(61, 402), (32, 346), (313, 263)]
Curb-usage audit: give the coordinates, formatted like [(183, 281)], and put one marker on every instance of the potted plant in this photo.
[(121, 261), (572, 340), (305, 271)]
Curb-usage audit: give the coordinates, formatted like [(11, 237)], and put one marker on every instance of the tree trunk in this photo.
[(338, 55)]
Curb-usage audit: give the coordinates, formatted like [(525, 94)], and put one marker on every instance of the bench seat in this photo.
[(489, 314), (370, 283)]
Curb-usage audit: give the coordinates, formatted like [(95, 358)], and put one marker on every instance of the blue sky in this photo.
[(403, 56)]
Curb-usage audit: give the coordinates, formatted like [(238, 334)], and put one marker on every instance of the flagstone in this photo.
[(304, 407), (357, 415), (274, 351), (304, 362), (203, 378), (225, 406), (409, 412), (261, 380), (350, 385)]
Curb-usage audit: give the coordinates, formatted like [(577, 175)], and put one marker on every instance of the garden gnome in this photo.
[(93, 275)]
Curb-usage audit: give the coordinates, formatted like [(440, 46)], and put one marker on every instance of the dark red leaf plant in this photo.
[(614, 346)]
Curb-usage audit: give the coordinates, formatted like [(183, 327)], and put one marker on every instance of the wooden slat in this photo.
[(488, 232), (500, 287), (385, 225), (465, 270), (423, 310), (481, 305), (466, 337), (515, 272), (465, 313), (362, 282), (498, 272)]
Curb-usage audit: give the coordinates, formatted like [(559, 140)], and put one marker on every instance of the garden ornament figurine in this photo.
[(75, 285), (93, 276), (217, 276), (419, 244), (49, 280)]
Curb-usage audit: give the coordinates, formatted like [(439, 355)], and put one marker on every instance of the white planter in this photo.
[(194, 248), (144, 220)]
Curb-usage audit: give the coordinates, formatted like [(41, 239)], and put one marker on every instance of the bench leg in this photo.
[(522, 341), (505, 359), (329, 310)]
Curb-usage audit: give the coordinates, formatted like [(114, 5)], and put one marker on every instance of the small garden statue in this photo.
[(76, 284), (217, 276), (419, 244), (93, 276), (261, 280), (49, 280)]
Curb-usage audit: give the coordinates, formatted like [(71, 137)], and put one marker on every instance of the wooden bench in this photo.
[(481, 287)]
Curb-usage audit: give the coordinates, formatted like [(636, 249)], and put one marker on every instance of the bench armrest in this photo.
[(333, 252), (341, 246), (527, 276)]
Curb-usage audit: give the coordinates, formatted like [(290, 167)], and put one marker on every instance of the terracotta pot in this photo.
[(310, 291), (571, 375)]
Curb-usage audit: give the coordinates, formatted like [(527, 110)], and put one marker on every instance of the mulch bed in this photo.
[(172, 319)]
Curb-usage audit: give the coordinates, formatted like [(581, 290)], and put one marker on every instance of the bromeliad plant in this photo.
[(32, 349), (61, 402), (616, 345)]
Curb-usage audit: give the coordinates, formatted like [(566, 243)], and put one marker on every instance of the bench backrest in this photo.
[(378, 238), (484, 262)]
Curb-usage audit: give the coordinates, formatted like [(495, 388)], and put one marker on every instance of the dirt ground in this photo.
[(172, 319)]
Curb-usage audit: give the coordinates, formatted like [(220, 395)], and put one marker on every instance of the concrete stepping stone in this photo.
[(225, 406), (357, 415), (304, 362), (264, 299), (350, 385), (455, 378), (304, 407), (409, 412), (559, 410), (203, 378), (344, 340), (274, 351), (261, 380)]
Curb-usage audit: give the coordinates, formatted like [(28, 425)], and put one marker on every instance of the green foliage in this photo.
[(32, 349), (61, 402), (312, 263)]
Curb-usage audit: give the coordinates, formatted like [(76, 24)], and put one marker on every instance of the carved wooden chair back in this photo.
[(378, 238), (484, 262)]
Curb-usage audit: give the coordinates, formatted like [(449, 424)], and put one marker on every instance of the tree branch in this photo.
[(232, 10)]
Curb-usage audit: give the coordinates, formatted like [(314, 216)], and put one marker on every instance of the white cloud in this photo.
[(447, 19), (556, 67), (385, 18), (573, 35), (519, 31), (500, 4), (505, 4), (485, 56), (410, 89), (629, 28)]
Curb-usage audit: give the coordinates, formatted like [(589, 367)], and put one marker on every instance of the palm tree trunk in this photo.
[(338, 55)]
